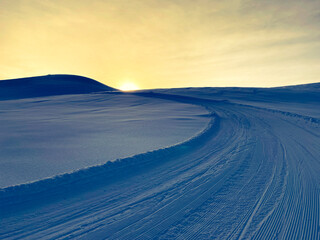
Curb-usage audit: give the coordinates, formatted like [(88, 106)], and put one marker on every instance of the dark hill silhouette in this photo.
[(49, 85)]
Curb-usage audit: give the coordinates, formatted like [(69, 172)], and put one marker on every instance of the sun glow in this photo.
[(128, 86)]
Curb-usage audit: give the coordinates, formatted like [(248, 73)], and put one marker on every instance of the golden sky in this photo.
[(163, 43)]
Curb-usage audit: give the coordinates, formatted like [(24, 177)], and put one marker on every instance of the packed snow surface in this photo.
[(253, 173)]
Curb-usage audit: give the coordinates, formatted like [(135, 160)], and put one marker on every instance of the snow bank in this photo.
[(44, 137), (70, 184)]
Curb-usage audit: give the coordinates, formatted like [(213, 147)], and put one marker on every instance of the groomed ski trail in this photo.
[(252, 174)]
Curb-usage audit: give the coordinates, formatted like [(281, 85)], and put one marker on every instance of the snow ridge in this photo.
[(93, 177)]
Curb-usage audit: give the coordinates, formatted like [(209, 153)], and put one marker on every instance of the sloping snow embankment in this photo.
[(44, 137)]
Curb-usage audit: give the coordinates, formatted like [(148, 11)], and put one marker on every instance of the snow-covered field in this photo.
[(221, 164), (44, 137)]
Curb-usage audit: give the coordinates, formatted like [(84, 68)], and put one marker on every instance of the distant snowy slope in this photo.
[(305, 87), (49, 85), (300, 99)]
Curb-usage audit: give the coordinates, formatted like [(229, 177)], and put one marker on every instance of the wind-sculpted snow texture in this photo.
[(253, 173), (48, 136)]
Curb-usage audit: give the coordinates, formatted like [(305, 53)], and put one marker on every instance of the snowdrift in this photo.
[(71, 184), (53, 135)]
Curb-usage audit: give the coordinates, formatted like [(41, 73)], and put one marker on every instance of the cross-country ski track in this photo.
[(253, 173)]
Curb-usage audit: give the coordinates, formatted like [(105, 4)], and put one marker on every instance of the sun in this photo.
[(128, 86)]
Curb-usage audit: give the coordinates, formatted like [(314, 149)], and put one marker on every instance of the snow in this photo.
[(252, 173), (44, 137), (50, 85)]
